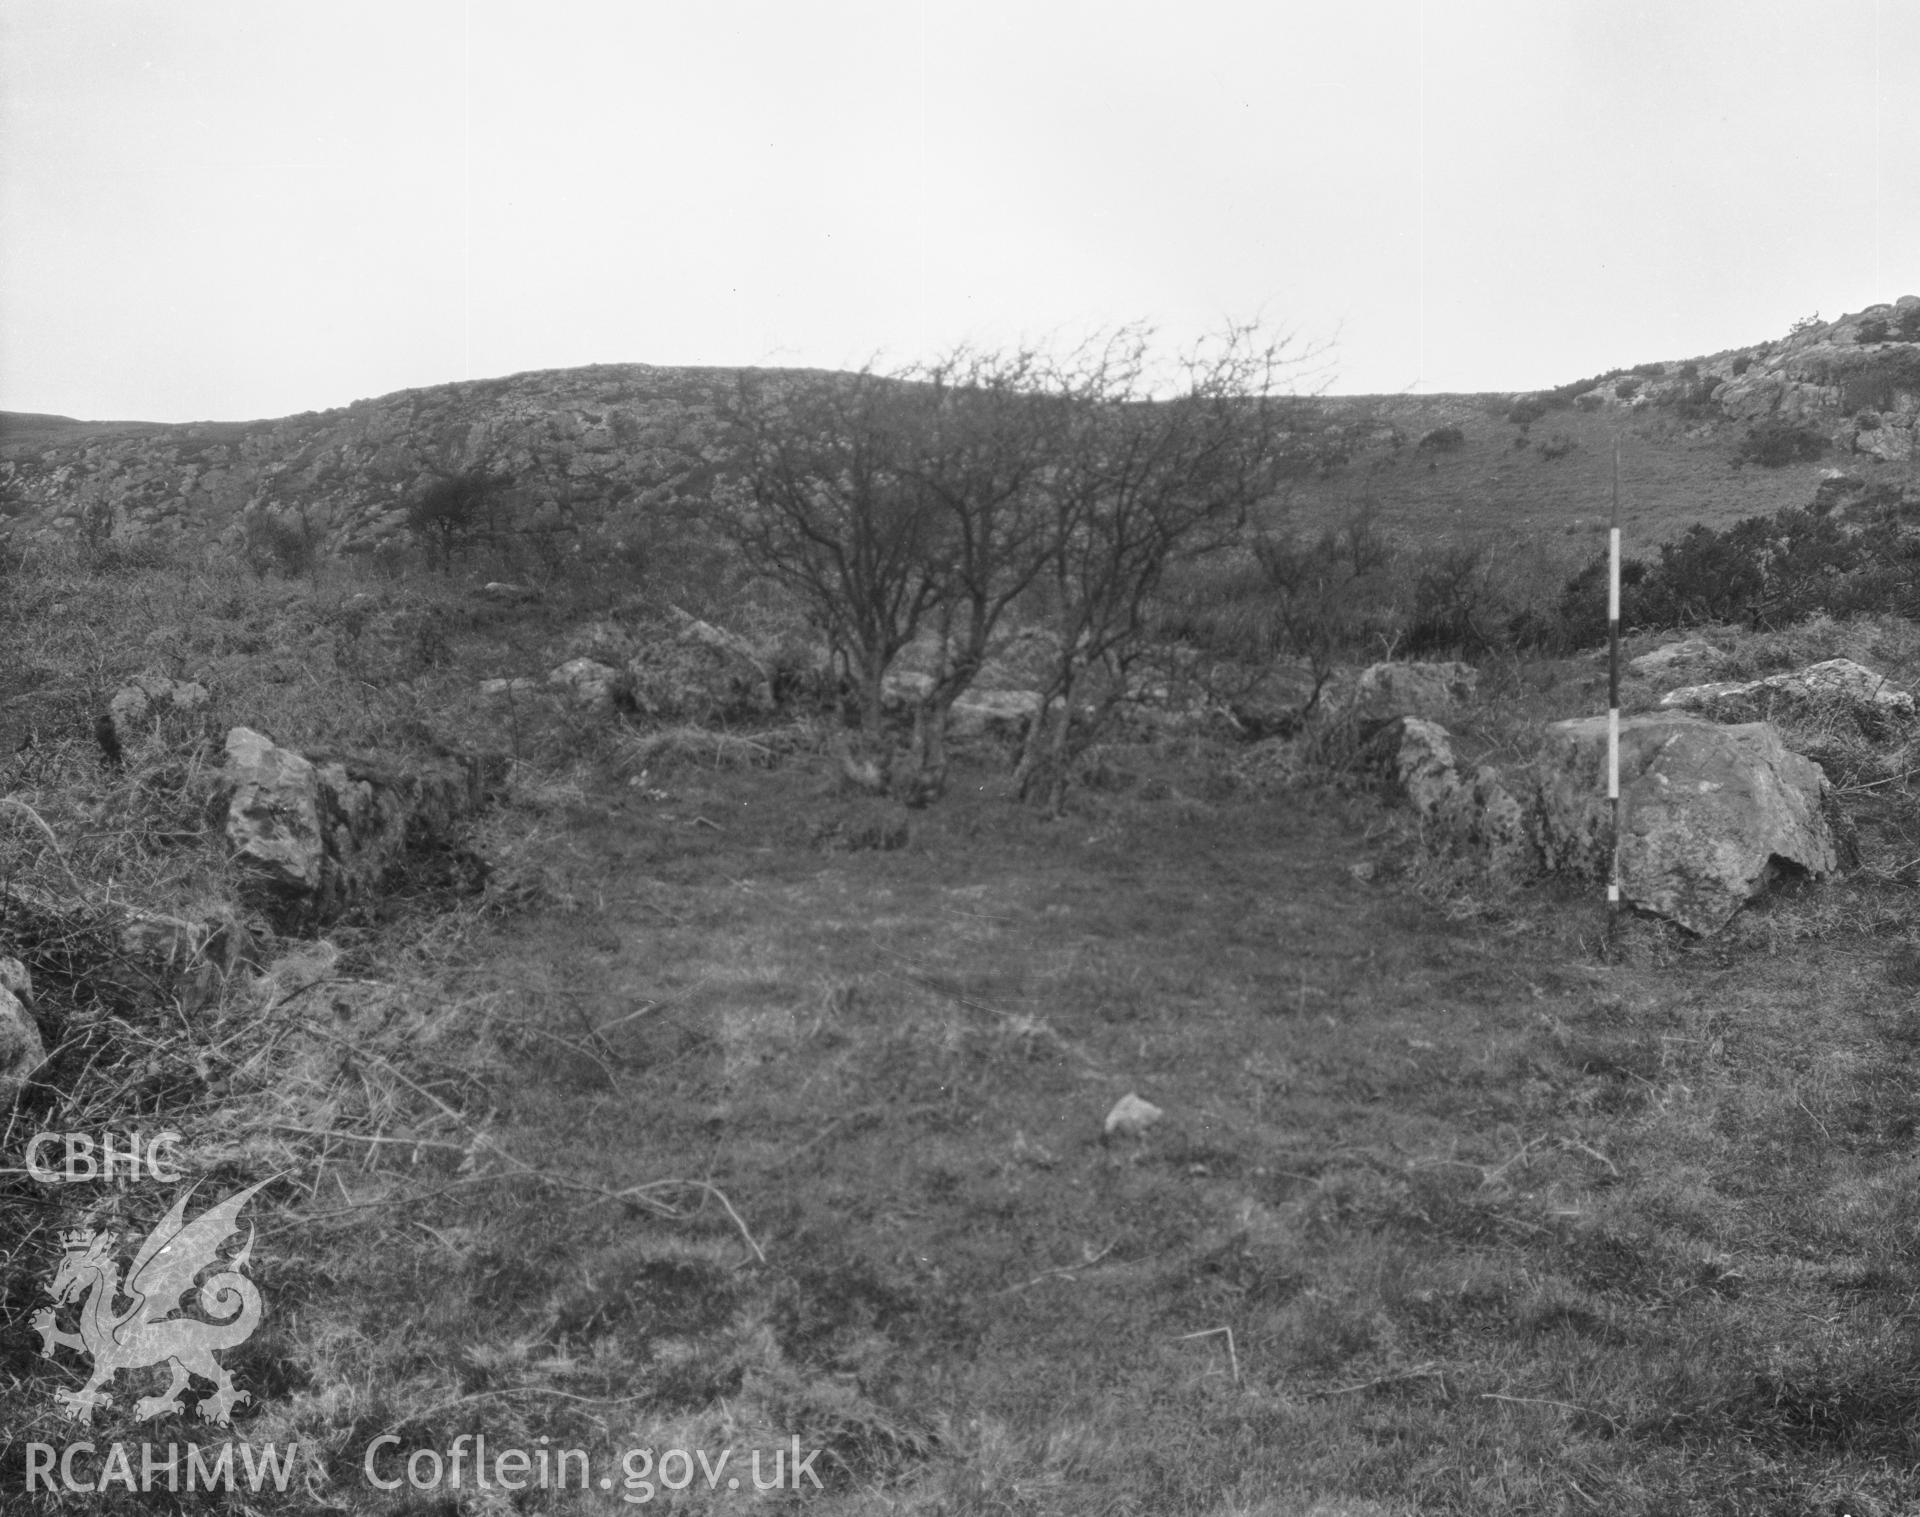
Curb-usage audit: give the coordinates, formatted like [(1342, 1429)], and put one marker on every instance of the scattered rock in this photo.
[(1693, 653), (14, 978), (587, 682), (1413, 689), (136, 703), (902, 688), (496, 590), (1708, 813), (21, 1051), (313, 838), (993, 713), (1416, 756), (1476, 815), (1131, 1117), (1837, 685), (142, 957)]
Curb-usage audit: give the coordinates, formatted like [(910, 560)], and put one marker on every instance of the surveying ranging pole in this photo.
[(1613, 693)]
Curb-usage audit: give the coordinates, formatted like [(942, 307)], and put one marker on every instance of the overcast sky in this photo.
[(241, 208)]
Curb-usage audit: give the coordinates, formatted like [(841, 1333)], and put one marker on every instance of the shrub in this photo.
[(1907, 324), (1446, 439), (1742, 363), (454, 511), (1528, 409), (1875, 381), (1777, 442), (1873, 329), (288, 543), (1765, 571), (1626, 389), (1557, 446)]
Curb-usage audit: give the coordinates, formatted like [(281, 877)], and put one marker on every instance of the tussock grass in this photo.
[(693, 1132)]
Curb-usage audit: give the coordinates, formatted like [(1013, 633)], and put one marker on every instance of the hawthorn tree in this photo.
[(454, 510), (1142, 482), (944, 501)]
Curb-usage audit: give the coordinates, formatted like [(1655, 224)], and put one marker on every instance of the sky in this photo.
[(229, 209)]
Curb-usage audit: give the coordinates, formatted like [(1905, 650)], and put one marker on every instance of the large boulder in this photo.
[(1838, 686), (701, 673), (315, 834), (1708, 813)]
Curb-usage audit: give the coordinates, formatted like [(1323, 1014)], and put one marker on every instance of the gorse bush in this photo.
[(1766, 572), (1777, 442)]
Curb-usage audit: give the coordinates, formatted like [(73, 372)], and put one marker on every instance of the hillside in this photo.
[(609, 1065), (594, 451)]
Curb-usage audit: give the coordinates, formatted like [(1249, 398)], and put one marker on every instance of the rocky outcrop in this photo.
[(1708, 813), (314, 835), (1837, 686), (601, 451), (21, 1049), (1857, 378)]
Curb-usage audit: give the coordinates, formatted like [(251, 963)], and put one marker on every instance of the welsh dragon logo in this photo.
[(146, 1332)]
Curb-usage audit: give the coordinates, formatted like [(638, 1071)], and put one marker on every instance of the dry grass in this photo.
[(693, 1132)]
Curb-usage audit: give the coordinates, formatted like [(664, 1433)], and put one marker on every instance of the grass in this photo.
[(1672, 475), (737, 1111)]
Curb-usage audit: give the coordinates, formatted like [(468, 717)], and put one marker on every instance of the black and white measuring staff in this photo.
[(1613, 690)]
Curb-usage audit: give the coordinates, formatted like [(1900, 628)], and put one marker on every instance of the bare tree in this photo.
[(940, 502), (830, 509), (1141, 481)]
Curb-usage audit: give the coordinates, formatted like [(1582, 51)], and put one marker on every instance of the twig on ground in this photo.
[(1431, 1370), (1232, 1357), (1545, 1401)]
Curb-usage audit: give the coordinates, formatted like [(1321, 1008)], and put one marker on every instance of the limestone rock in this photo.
[(587, 682), (1414, 689), (993, 713), (133, 955), (21, 1051), (314, 836), (1707, 813), (1478, 816), (1692, 653), (1416, 757), (145, 697), (1836, 685), (1131, 1117), (273, 815)]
